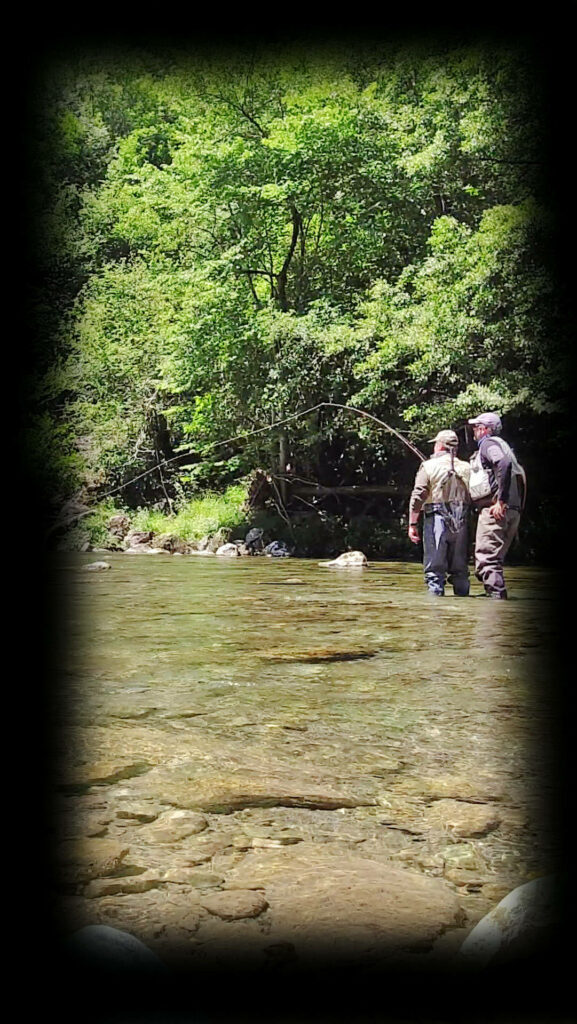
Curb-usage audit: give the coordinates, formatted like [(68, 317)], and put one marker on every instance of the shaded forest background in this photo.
[(223, 237)]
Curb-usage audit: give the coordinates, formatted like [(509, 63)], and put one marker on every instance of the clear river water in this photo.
[(213, 710)]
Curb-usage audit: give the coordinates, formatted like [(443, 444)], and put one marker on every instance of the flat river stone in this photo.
[(234, 906), (173, 826), (463, 819), (184, 787), (330, 902), (101, 773), (92, 858)]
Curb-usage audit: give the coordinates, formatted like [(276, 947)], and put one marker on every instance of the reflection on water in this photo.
[(360, 674)]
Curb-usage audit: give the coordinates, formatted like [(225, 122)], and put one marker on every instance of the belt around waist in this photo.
[(440, 507)]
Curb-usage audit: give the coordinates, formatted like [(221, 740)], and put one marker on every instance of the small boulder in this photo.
[(96, 566), (228, 550), (119, 525), (138, 538), (101, 947), (217, 540), (172, 543), (349, 559), (524, 923), (277, 549), (254, 540)]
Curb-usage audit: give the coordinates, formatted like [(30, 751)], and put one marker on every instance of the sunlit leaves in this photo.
[(244, 239)]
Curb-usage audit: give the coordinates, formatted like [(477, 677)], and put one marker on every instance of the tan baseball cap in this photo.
[(447, 437)]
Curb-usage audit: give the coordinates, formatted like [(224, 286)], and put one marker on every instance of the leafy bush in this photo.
[(198, 517)]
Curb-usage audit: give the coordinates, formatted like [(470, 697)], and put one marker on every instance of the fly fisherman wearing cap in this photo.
[(441, 491), (498, 487)]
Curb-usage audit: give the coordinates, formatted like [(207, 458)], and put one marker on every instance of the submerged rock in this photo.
[(233, 786), (236, 905), (273, 842), (96, 566), (124, 885), (174, 826), (91, 858), (188, 875), (317, 654), (463, 819), (326, 901)]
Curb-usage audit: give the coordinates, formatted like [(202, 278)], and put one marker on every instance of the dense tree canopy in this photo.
[(225, 242)]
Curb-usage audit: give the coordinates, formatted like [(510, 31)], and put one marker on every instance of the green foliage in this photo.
[(198, 517), (51, 457), (226, 242), (466, 328)]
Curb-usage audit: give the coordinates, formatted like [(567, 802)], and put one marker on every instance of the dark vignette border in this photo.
[(527, 991)]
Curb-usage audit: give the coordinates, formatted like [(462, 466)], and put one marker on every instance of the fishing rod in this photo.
[(251, 433), (272, 426)]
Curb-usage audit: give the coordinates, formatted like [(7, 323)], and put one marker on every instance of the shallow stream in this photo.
[(294, 707)]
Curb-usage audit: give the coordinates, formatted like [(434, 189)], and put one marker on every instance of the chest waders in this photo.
[(445, 539)]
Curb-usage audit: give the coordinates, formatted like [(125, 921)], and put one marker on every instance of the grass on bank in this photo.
[(194, 519), (199, 517)]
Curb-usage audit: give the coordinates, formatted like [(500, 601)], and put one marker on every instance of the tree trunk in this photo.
[(282, 464)]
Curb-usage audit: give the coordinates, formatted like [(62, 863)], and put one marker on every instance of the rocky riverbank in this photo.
[(122, 538)]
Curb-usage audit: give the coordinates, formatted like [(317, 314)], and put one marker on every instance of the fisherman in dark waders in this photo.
[(441, 492), (498, 487)]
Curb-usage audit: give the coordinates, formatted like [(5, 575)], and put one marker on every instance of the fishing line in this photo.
[(260, 430)]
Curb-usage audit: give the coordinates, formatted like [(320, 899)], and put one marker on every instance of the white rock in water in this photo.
[(348, 558), (97, 566), (519, 920), (228, 550)]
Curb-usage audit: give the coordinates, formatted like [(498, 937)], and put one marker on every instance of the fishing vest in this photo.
[(446, 483), (480, 480)]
